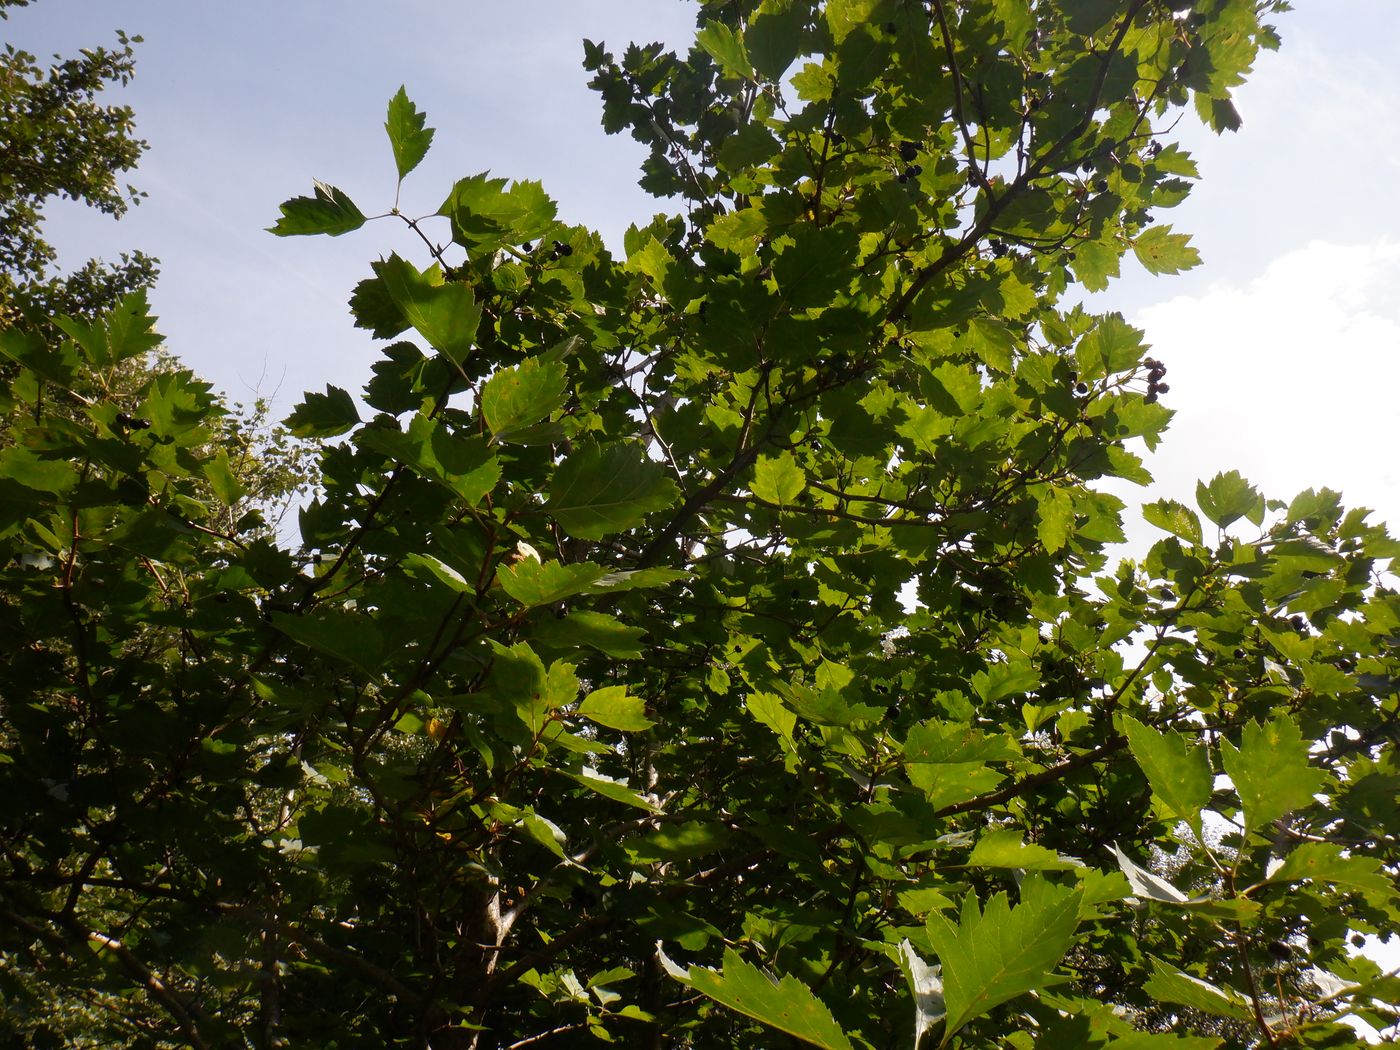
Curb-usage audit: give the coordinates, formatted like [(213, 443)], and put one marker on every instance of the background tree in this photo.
[(592, 699), (62, 141)]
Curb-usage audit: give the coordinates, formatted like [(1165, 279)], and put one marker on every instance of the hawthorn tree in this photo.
[(719, 641)]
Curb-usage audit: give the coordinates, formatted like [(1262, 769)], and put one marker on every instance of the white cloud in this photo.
[(1291, 378)]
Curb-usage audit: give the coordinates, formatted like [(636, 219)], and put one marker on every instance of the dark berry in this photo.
[(1280, 951), (566, 249), (903, 176), (836, 138), (1163, 388), (1168, 595), (1151, 398), (1101, 186), (1081, 388), (1073, 376), (908, 151), (914, 170)]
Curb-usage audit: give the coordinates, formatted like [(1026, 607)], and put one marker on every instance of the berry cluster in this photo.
[(561, 249), (908, 152), (126, 422), (1155, 371)]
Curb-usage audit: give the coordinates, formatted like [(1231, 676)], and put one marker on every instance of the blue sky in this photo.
[(1284, 348)]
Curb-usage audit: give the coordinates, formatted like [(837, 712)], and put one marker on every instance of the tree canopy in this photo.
[(62, 142), (716, 644)]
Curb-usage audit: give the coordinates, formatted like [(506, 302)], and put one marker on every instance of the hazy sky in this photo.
[(1283, 349)]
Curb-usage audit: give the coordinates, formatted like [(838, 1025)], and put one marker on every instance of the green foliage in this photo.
[(744, 598)]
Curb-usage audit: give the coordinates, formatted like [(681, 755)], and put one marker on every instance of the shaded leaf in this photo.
[(1171, 985), (324, 415), (329, 212), (994, 955), (785, 1004), (601, 490), (445, 314), (1178, 772)]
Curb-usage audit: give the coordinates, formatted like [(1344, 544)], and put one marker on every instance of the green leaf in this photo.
[(486, 216), (55, 476), (337, 633), (445, 314), (130, 328), (218, 472), (595, 630), (601, 490), (726, 47), (1171, 985), (407, 135), (614, 707), (1176, 518), (1228, 498), (425, 566), (516, 397), (1094, 263), (1054, 518), (533, 583), (691, 838), (785, 1004), (774, 36), (463, 464), (329, 212), (1178, 772), (1001, 680), (994, 955), (1161, 251), (1324, 862), (324, 415), (1005, 848), (633, 579), (1111, 346), (778, 479), (948, 742), (1162, 1041), (608, 788), (1270, 770)]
